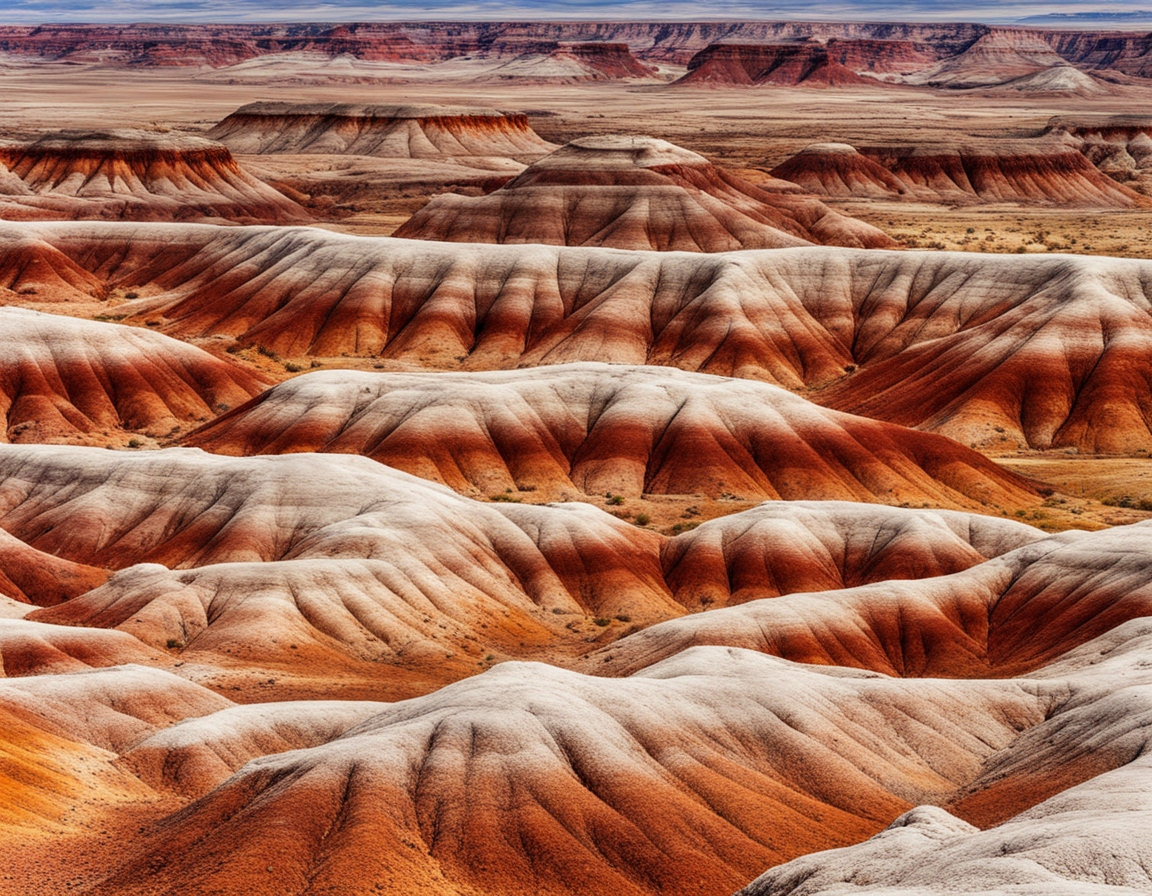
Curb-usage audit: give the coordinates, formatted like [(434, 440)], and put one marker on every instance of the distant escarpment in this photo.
[(571, 63), (780, 65)]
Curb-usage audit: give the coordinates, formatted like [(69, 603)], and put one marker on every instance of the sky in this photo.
[(39, 11)]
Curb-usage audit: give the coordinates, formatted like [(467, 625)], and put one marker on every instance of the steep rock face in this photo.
[(1025, 172), (134, 175), (63, 379), (883, 56), (602, 429), (414, 131), (1053, 350), (1120, 146), (637, 193), (779, 65), (1127, 53), (674, 42)]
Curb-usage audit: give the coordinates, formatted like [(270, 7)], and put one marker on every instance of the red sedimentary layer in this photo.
[(31, 576), (646, 431), (781, 65), (64, 380), (389, 131), (610, 60), (637, 193), (134, 176), (1011, 173)]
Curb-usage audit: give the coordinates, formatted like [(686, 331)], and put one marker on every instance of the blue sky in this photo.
[(36, 11)]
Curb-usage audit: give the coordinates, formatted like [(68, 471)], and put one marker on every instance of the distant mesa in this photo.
[(402, 132), (68, 380), (134, 176), (884, 56), (599, 428), (774, 65), (994, 58), (638, 193), (831, 62), (575, 63), (1030, 172)]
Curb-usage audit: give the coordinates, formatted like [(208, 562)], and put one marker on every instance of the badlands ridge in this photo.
[(1047, 351), (625, 523), (638, 193)]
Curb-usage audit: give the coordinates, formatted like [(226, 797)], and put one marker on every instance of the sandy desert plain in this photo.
[(735, 475)]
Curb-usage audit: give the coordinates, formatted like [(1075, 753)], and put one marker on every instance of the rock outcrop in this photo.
[(1120, 146)]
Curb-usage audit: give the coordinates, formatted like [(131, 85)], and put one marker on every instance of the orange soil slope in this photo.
[(303, 550), (63, 379), (31, 576), (530, 779), (978, 622)]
